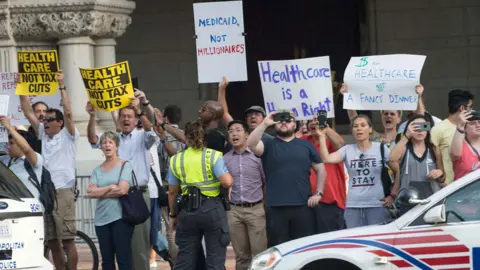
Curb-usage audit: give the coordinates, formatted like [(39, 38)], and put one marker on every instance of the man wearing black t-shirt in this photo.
[(209, 115), (287, 162), (40, 110)]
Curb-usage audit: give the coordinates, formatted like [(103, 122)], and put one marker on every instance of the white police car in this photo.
[(21, 225), (441, 232)]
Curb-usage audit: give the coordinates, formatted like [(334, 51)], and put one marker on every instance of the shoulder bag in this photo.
[(134, 208), (386, 180)]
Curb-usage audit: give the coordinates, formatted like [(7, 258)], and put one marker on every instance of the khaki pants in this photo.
[(248, 233), (60, 224), (141, 242)]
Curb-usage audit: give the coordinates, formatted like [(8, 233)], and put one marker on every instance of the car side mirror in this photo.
[(435, 215)]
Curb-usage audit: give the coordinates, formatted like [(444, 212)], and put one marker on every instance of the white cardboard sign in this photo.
[(301, 85), (220, 42), (383, 82)]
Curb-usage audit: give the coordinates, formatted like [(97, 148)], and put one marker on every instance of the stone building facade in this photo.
[(156, 38)]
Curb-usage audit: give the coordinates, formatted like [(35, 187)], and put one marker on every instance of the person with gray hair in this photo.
[(109, 181), (135, 148)]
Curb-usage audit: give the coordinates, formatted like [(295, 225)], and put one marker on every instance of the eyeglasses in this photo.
[(50, 119)]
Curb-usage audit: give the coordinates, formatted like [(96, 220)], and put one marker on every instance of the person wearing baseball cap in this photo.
[(253, 115)]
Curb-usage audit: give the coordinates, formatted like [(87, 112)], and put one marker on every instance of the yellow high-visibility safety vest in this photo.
[(194, 167)]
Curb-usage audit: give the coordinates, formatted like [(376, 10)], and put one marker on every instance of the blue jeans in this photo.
[(115, 240), (357, 217), (154, 220)]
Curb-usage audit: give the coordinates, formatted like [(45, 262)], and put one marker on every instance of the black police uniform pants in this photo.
[(210, 220)]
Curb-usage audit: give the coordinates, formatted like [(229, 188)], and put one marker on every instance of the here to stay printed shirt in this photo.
[(364, 169)]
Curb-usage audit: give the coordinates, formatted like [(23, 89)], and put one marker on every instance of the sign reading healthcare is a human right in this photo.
[(220, 42), (383, 82), (109, 88), (302, 85), (38, 73)]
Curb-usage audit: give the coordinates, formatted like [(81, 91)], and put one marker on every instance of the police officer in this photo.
[(198, 174)]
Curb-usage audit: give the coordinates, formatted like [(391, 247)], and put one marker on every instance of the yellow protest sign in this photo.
[(109, 88), (38, 73)]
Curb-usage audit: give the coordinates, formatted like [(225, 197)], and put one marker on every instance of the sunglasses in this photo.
[(50, 119)]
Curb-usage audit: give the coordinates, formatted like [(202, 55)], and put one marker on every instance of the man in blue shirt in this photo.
[(287, 162)]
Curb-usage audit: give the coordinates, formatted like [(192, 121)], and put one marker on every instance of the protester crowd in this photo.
[(247, 187)]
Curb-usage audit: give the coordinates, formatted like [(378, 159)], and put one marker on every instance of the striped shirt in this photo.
[(249, 178)]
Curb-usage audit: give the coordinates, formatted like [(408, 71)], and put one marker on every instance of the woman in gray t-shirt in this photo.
[(366, 200), (421, 165), (109, 181)]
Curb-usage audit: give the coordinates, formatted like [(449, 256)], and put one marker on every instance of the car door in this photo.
[(21, 225), (449, 245)]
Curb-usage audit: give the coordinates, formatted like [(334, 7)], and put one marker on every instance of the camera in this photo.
[(282, 116), (424, 126), (475, 115)]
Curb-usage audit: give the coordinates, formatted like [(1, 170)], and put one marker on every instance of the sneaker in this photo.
[(153, 265)]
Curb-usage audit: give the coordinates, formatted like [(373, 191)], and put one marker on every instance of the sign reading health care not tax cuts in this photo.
[(302, 85), (383, 82), (109, 88), (220, 42), (15, 113), (38, 73)]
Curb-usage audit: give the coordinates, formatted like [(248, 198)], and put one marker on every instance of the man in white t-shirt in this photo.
[(59, 150), (20, 152)]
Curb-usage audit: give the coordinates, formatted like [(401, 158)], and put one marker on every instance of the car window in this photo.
[(464, 204), (10, 186), (461, 206)]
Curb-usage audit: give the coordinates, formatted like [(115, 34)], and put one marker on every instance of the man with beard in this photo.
[(287, 161), (253, 115)]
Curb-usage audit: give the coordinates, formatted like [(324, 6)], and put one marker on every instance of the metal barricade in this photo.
[(85, 207)]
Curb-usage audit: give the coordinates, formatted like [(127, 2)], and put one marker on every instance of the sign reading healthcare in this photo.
[(220, 42), (109, 88), (302, 85), (38, 73), (383, 82)]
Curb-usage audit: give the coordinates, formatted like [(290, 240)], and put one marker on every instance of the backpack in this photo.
[(48, 193)]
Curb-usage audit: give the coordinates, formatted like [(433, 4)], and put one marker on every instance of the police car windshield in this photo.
[(10, 186)]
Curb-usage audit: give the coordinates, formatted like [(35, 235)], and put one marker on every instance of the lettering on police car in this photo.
[(8, 264), (12, 245), (35, 207)]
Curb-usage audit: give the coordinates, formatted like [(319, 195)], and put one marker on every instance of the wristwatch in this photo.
[(163, 140), (172, 215), (318, 193), (62, 88), (142, 113), (146, 103)]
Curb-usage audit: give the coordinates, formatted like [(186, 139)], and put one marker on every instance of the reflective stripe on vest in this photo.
[(188, 170)]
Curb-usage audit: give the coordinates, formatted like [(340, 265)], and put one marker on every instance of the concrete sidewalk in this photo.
[(85, 259)]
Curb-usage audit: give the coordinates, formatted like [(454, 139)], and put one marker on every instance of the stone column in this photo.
[(104, 52), (75, 53)]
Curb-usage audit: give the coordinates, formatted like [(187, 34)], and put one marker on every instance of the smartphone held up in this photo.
[(322, 118)]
